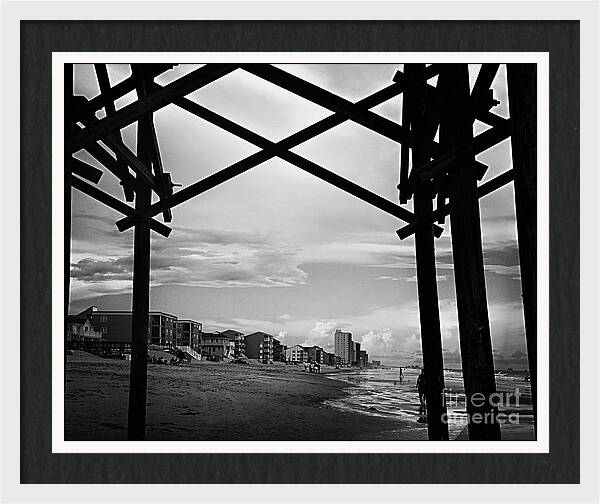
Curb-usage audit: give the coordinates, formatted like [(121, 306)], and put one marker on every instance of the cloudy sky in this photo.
[(278, 250)]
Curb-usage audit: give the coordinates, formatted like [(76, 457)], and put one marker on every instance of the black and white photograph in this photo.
[(301, 251)]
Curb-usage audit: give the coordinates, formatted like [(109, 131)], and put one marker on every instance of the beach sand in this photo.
[(216, 401)]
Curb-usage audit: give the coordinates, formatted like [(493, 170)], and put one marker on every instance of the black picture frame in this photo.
[(40, 38)]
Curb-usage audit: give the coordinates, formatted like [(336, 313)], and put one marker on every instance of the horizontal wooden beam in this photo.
[(129, 114), (115, 204), (331, 101), (257, 158), (439, 213)]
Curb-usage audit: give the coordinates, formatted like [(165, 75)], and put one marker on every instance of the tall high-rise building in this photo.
[(356, 356), (343, 346)]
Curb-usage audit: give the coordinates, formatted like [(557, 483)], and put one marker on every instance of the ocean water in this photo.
[(379, 392)]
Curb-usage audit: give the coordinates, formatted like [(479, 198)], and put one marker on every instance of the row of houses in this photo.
[(167, 331)]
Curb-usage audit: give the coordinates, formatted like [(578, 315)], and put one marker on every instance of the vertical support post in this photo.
[(429, 315), (456, 130), (522, 102), (138, 378), (68, 131)]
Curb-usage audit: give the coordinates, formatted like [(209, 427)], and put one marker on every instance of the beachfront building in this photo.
[(315, 354), (330, 359), (364, 359), (278, 351), (259, 345), (215, 346), (115, 326), (356, 354), (188, 333), (81, 329), (296, 353), (343, 346), (238, 342)]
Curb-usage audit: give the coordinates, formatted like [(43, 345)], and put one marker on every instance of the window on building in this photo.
[(103, 318), (104, 329)]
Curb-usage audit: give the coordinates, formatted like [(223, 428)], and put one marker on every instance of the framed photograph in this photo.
[(304, 251)]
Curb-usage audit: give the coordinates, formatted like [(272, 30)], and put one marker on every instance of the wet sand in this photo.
[(217, 401), (379, 392)]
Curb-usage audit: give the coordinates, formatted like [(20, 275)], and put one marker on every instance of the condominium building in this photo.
[(343, 346), (364, 359), (315, 354), (115, 326), (259, 345), (330, 359), (356, 354), (278, 351), (188, 333), (296, 353), (237, 341), (216, 346)]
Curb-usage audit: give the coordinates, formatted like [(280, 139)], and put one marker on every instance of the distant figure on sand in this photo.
[(400, 375), (421, 390)]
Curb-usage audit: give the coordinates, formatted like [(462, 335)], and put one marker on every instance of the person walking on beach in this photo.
[(400, 374), (421, 390)]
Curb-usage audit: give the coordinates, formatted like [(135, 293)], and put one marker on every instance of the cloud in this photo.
[(385, 342), (208, 258), (321, 334), (102, 270), (440, 278)]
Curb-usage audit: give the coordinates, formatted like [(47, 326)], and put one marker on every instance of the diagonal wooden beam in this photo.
[(117, 91), (484, 79), (125, 116), (85, 170), (125, 158), (144, 83), (297, 160), (115, 204), (257, 158), (443, 211), (331, 101), (105, 159), (109, 107), (482, 142), (272, 149)]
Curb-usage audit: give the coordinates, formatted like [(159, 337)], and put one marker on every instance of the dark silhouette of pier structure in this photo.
[(441, 177)]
